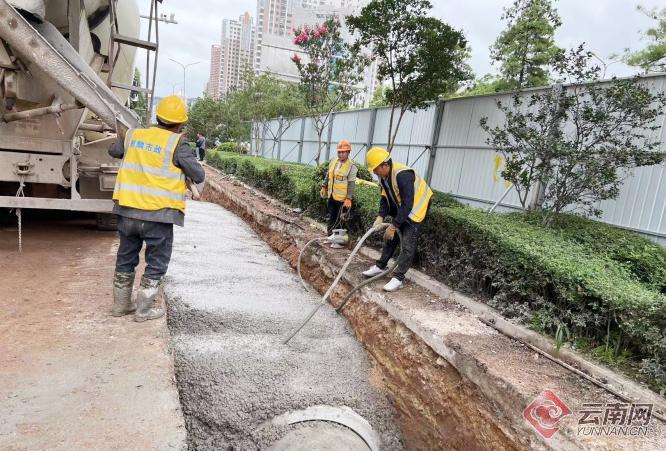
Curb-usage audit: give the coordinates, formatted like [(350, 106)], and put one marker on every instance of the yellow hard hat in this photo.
[(172, 110), (377, 156)]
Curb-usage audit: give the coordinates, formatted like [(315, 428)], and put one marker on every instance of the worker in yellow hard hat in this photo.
[(406, 198), (338, 188), (149, 198)]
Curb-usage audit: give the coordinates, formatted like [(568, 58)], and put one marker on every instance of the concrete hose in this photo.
[(324, 298)]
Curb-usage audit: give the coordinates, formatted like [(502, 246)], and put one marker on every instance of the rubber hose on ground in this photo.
[(324, 298)]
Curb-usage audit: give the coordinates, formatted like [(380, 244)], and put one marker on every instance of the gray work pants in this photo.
[(158, 237), (410, 234)]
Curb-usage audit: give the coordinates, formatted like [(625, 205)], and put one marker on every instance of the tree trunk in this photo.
[(318, 154), (397, 127), (389, 145)]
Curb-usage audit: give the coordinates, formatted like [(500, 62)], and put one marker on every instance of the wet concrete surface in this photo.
[(231, 302)]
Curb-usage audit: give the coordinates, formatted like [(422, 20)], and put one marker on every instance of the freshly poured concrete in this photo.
[(231, 302)]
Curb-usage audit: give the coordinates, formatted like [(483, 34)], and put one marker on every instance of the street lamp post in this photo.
[(184, 66)]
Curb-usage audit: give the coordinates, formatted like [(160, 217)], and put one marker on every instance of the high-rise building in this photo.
[(232, 56), (237, 52), (213, 85), (274, 43)]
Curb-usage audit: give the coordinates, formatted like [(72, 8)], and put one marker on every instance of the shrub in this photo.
[(232, 147), (602, 284)]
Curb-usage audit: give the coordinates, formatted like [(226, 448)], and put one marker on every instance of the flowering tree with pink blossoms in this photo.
[(329, 70)]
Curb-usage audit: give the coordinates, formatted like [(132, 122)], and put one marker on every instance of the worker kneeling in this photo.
[(406, 198), (149, 199), (338, 188)]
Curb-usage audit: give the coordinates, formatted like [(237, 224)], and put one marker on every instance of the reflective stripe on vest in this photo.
[(148, 179), (422, 192), (337, 180)]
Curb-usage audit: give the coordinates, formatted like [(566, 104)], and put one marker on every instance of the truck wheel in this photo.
[(106, 221)]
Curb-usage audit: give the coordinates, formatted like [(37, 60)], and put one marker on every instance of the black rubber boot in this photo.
[(146, 307), (122, 294)]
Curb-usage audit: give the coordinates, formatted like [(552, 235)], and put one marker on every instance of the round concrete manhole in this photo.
[(324, 428), (320, 436)]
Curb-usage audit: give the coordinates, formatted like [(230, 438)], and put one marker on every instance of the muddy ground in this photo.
[(72, 376)]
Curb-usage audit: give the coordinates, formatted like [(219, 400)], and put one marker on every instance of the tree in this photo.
[(420, 57), (379, 96), (580, 142), (329, 73), (526, 48), (652, 57), (245, 113), (263, 98), (207, 116), (137, 100), (487, 84)]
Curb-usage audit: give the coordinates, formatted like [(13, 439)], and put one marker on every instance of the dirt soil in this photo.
[(72, 376)]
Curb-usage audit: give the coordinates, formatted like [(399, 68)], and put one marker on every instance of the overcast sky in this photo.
[(607, 27)]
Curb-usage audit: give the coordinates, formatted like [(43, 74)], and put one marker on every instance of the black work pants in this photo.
[(158, 237), (334, 211), (410, 234)]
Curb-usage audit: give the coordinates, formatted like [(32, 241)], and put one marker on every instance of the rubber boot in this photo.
[(146, 308), (122, 294)]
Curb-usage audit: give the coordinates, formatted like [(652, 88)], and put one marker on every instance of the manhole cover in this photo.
[(321, 430), (320, 436)]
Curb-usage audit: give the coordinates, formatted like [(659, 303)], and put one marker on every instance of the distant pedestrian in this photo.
[(338, 189), (201, 146)]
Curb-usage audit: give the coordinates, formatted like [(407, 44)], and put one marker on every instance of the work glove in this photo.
[(378, 220), (390, 233), (323, 193), (347, 203)]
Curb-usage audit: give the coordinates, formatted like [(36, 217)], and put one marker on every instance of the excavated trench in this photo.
[(437, 408), (420, 370)]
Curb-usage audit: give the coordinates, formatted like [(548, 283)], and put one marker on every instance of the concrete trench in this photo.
[(231, 300), (437, 408), (454, 381), (420, 368)]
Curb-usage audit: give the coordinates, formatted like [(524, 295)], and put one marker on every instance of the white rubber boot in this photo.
[(146, 308), (374, 271), (122, 294), (393, 285)]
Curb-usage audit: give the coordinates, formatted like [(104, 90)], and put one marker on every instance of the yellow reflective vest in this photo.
[(148, 179), (337, 180), (422, 192)]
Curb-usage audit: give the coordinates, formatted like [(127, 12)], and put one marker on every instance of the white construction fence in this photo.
[(445, 144)]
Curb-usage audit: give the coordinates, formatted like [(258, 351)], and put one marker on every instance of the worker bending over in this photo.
[(406, 198), (149, 199), (338, 188)]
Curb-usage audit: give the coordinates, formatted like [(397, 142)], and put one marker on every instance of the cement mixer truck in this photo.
[(66, 72)]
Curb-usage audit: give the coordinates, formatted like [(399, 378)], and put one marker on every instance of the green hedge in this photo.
[(231, 147), (605, 286)]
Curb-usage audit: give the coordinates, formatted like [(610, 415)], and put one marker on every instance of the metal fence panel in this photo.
[(465, 166)]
